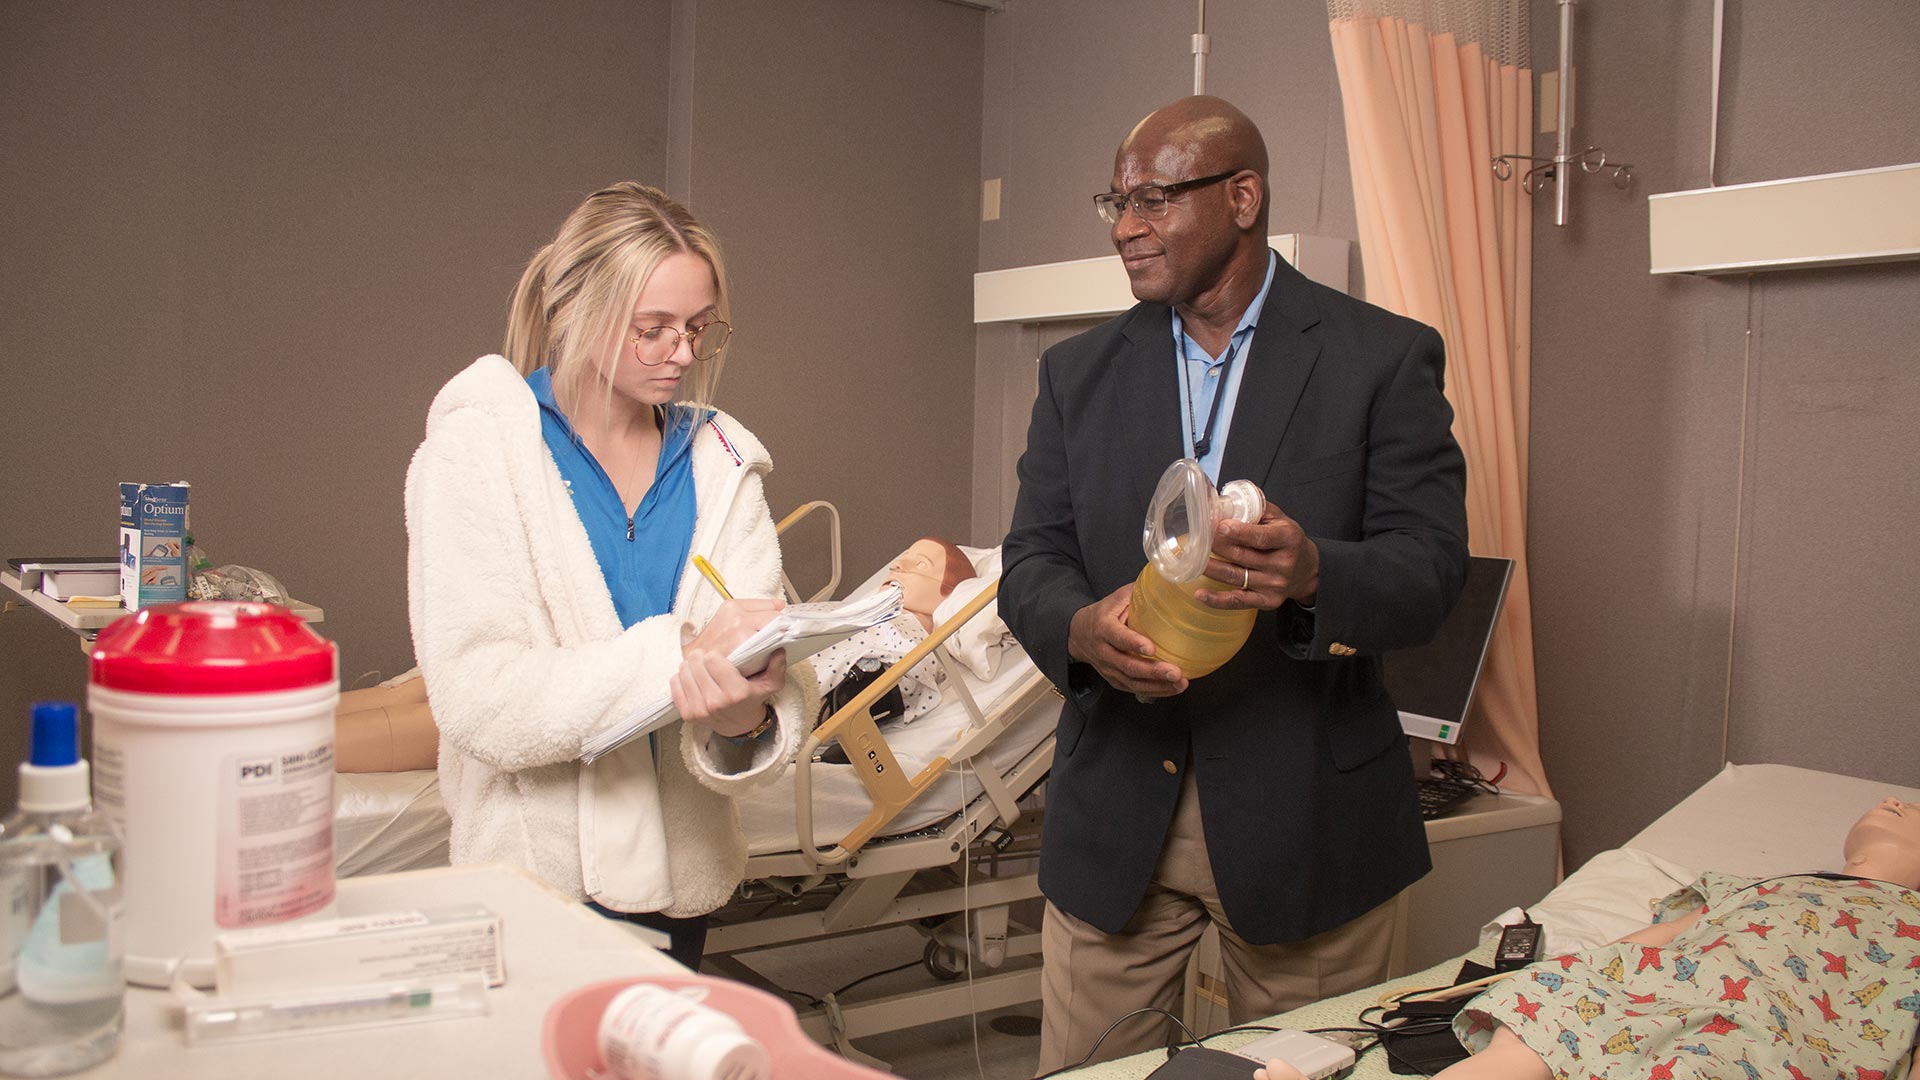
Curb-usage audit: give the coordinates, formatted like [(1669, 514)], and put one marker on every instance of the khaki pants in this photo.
[(1089, 979)]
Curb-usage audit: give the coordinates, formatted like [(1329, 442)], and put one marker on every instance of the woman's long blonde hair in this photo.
[(571, 308)]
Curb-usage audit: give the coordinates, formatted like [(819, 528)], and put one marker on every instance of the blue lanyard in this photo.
[(1202, 438)]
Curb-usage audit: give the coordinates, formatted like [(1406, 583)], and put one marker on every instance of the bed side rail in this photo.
[(872, 759), (799, 514)]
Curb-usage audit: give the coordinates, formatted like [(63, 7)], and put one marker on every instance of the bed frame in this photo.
[(957, 881)]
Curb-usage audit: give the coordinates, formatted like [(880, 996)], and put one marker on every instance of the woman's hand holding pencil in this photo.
[(707, 690)]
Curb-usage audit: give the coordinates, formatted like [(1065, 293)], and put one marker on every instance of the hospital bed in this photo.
[(933, 828), (386, 822), (924, 826), (1750, 820)]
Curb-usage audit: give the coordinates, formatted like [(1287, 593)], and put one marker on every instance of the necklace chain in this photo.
[(633, 466)]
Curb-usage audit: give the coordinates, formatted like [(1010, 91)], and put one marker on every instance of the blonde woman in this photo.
[(551, 513)]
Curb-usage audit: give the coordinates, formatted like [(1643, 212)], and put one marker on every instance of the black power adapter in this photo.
[(1519, 945)]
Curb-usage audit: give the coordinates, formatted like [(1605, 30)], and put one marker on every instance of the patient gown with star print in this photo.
[(1795, 977)]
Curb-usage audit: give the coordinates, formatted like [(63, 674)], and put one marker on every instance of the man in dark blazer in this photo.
[(1275, 797)]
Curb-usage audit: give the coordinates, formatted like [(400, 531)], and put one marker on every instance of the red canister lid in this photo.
[(212, 647)]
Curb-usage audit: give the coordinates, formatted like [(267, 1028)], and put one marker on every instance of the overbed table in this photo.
[(553, 944)]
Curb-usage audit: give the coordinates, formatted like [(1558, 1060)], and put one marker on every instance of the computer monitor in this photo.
[(1433, 684)]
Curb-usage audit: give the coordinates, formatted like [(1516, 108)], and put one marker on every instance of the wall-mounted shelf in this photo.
[(1836, 219), (88, 622), (1091, 288)]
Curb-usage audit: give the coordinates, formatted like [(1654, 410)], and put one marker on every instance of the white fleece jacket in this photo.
[(524, 658)]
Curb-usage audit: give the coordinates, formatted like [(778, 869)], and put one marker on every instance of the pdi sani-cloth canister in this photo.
[(213, 752)]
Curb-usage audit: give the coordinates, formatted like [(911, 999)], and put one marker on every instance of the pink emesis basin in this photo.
[(570, 1044)]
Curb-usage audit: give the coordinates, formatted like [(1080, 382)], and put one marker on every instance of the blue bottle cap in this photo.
[(56, 734)]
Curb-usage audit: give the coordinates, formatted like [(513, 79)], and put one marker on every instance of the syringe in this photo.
[(335, 1008)]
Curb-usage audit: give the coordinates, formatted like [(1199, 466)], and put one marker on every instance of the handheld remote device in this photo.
[(1315, 1057)]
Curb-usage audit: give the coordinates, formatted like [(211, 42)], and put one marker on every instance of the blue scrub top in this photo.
[(641, 557)]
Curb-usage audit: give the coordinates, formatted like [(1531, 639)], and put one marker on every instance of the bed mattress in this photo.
[(387, 822)]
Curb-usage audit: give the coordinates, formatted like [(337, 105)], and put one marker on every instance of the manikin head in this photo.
[(1885, 843), (926, 573), (1204, 234)]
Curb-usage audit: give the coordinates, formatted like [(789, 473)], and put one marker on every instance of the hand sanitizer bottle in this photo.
[(61, 990)]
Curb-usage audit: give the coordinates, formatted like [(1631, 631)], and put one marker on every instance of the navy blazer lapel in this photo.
[(1149, 387), (1285, 349)]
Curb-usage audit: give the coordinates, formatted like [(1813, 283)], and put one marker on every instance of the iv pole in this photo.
[(1558, 169), (1202, 45), (1562, 126)]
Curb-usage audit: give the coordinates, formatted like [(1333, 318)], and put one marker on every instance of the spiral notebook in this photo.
[(801, 629)]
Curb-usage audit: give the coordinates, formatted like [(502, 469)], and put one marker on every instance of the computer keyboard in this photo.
[(1439, 795)]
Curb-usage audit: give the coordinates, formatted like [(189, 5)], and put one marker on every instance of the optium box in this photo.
[(153, 544), (388, 947)]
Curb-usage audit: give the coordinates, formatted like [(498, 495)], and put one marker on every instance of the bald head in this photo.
[(1219, 137)]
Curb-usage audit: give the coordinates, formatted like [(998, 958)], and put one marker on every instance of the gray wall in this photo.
[(1066, 80), (247, 244), (834, 148), (1722, 542)]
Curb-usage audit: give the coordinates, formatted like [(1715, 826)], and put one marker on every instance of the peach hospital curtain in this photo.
[(1432, 90)]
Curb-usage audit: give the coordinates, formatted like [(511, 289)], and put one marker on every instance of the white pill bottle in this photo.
[(653, 1033)]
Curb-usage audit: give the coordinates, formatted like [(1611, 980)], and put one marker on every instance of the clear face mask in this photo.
[(1178, 540), (1178, 534)]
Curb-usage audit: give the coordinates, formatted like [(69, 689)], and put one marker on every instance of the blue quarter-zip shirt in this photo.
[(641, 557)]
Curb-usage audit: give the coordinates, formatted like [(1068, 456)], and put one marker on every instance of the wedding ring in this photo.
[(1246, 578)]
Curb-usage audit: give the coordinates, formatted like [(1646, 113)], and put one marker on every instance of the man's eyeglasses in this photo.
[(1149, 200), (656, 345)]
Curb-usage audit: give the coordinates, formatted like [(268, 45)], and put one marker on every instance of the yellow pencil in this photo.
[(713, 576)]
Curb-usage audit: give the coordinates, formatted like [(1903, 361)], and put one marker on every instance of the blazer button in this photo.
[(1338, 649), (1170, 767)]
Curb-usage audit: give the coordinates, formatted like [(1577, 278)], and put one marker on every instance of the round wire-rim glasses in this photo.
[(1149, 200), (662, 342)]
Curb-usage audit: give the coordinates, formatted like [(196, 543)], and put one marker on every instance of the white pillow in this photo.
[(978, 644), (1605, 900), (986, 561)]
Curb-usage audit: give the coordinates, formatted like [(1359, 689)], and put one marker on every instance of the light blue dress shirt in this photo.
[(1204, 378)]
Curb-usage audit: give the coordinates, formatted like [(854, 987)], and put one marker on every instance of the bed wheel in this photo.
[(944, 963)]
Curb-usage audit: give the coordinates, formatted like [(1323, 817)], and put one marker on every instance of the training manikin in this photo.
[(926, 574)]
